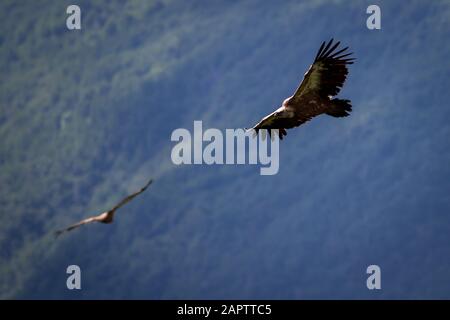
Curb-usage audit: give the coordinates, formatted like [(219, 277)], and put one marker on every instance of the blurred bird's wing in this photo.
[(131, 196), (78, 224)]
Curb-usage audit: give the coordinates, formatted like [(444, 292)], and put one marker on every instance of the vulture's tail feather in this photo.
[(339, 108)]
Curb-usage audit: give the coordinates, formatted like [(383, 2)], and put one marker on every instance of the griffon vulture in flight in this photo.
[(315, 95), (107, 216)]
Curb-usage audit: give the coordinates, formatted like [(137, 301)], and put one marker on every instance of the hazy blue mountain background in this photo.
[(86, 116)]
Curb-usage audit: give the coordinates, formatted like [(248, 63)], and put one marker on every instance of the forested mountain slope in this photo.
[(86, 117)]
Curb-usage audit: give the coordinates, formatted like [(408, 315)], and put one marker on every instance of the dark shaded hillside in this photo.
[(86, 117)]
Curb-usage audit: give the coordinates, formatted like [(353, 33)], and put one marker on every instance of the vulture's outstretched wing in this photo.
[(273, 121), (326, 76), (131, 196), (76, 225)]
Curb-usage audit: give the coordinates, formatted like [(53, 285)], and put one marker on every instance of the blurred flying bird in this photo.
[(315, 95), (107, 216)]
